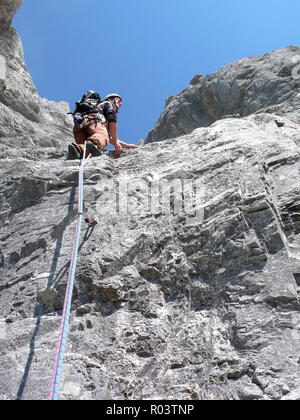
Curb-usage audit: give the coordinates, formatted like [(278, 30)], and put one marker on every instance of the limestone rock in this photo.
[(268, 83), (8, 9), (28, 124), (165, 306), (17, 89), (188, 286)]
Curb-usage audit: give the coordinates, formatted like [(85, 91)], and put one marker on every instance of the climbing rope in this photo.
[(62, 338)]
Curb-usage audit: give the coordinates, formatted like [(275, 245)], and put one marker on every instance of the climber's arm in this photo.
[(127, 146), (113, 136)]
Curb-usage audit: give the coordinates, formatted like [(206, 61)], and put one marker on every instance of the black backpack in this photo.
[(88, 104)]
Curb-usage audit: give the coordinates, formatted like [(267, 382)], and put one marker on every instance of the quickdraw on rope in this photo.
[(63, 332)]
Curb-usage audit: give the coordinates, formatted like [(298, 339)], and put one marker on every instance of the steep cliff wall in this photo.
[(188, 286), (29, 125), (253, 85)]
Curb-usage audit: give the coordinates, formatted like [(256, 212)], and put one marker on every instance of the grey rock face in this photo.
[(8, 9), (29, 125), (164, 306), (16, 79), (268, 83), (188, 286)]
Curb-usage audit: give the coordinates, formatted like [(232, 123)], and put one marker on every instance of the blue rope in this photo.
[(64, 326)]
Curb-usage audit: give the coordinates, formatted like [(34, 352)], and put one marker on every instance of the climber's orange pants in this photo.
[(96, 132)]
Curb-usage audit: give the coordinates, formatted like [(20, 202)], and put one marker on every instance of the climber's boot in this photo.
[(73, 152), (93, 149)]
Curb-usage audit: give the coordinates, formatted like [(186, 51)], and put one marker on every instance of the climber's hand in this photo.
[(118, 147)]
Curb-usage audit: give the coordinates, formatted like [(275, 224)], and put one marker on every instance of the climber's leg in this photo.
[(98, 134), (80, 135)]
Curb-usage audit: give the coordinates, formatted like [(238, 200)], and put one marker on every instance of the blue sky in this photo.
[(146, 50)]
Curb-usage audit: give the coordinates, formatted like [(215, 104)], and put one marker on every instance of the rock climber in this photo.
[(98, 128)]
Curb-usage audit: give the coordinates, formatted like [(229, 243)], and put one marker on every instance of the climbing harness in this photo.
[(86, 107), (62, 339)]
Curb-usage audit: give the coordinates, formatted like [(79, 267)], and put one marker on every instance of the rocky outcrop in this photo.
[(29, 125), (263, 84), (188, 286), (8, 9)]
